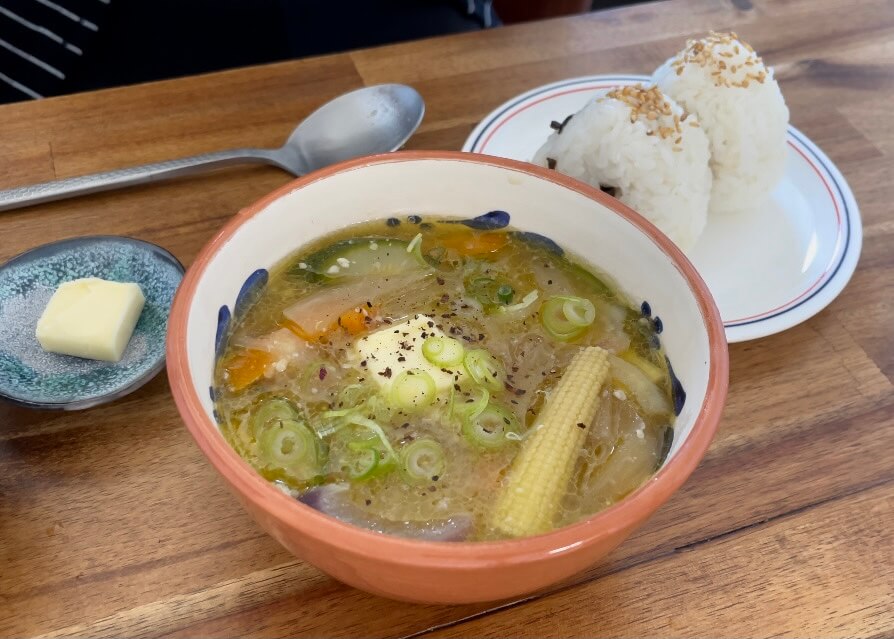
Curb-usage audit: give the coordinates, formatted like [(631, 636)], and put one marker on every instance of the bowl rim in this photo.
[(627, 513)]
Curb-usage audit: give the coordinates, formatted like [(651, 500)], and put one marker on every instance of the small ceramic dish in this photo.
[(31, 377), (768, 269), (229, 271)]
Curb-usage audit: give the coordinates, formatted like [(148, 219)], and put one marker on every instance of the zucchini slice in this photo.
[(367, 256)]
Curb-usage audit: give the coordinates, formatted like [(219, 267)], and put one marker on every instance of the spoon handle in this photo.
[(143, 174)]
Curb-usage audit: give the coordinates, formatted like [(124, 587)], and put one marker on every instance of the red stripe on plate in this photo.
[(536, 102)]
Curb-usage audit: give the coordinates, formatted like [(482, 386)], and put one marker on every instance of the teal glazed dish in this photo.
[(31, 377)]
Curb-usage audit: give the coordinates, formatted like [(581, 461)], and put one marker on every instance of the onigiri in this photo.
[(738, 103), (641, 147)]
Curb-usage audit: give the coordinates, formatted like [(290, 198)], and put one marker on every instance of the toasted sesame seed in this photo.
[(716, 53)]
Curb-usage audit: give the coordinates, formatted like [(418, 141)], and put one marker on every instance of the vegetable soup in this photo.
[(442, 382)]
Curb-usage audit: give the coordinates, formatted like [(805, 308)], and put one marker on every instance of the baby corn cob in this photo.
[(539, 475)]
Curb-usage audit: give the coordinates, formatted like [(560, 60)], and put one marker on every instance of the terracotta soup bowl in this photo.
[(590, 224)]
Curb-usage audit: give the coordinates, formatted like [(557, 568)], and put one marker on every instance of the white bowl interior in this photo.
[(458, 188)]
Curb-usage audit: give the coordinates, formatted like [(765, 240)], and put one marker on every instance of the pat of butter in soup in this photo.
[(445, 383)]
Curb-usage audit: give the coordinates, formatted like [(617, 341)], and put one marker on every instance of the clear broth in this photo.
[(624, 445)]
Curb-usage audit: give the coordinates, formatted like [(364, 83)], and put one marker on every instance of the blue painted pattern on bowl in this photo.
[(30, 376)]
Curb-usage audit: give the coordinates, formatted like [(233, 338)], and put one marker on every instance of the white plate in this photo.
[(768, 269)]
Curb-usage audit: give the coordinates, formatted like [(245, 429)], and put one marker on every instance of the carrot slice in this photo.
[(357, 320), (246, 368), (472, 242)]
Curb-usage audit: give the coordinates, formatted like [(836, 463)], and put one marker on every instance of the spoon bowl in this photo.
[(367, 121)]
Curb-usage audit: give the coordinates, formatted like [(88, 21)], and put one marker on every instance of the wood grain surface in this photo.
[(113, 524)]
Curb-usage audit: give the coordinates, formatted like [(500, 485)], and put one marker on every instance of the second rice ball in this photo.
[(738, 102)]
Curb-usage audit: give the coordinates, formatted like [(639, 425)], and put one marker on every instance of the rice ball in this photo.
[(738, 102), (642, 148)]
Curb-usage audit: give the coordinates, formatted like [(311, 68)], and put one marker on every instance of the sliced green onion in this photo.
[(352, 395), (527, 300), (289, 444), (579, 311), (473, 408), (363, 454), (491, 429), (378, 408), (413, 389), (505, 293), (364, 443), (273, 408), (329, 428), (423, 459), (485, 369), (490, 293), (362, 465), (385, 463), (335, 421), (366, 463), (415, 247), (356, 437), (330, 414), (443, 351), (553, 319), (358, 420), (417, 239)]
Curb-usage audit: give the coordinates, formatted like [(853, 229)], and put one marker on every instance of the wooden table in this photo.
[(112, 523)]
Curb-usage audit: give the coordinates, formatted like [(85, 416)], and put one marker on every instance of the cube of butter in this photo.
[(91, 318)]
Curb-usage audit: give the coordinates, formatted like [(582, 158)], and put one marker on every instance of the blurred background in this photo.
[(55, 47)]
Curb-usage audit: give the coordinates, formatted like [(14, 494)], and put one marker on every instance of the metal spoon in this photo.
[(375, 119)]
